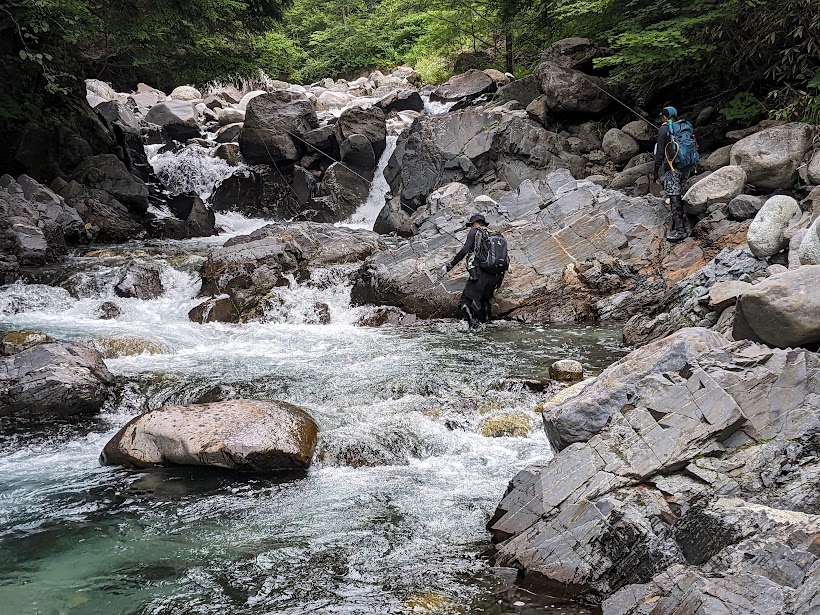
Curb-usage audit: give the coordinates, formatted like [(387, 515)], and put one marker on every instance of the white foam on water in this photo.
[(365, 216)]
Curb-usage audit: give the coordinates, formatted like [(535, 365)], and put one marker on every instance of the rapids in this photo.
[(389, 519)]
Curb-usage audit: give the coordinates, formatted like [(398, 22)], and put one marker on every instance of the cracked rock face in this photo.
[(240, 434), (698, 495), (577, 252)]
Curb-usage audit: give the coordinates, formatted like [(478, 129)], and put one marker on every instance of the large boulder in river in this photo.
[(766, 236), (466, 86), (140, 281), (343, 189), (53, 380), (401, 100), (469, 145), (240, 434), (771, 157), (571, 91), (573, 245), (275, 124), (699, 495), (719, 187), (783, 310)]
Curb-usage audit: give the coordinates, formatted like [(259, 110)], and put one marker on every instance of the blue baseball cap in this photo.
[(669, 112)]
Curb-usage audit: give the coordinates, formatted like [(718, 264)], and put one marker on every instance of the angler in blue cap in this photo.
[(676, 156)]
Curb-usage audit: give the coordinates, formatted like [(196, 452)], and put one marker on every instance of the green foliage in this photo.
[(744, 108)]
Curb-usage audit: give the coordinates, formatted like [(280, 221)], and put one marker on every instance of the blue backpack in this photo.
[(682, 149)]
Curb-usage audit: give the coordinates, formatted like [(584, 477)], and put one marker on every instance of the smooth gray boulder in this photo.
[(466, 86), (772, 156), (53, 380), (719, 187), (571, 91), (239, 434), (809, 251), (186, 92), (718, 159), (783, 310), (641, 131), (766, 235), (619, 146), (814, 168), (275, 126), (368, 122)]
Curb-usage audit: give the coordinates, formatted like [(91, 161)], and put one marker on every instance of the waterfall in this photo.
[(365, 216)]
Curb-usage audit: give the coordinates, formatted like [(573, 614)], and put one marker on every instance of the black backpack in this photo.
[(491, 251)]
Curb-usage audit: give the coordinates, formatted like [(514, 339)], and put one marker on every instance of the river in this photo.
[(389, 519)]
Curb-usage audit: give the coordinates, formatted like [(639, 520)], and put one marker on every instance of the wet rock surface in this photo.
[(698, 494), (248, 267), (53, 380), (244, 435)]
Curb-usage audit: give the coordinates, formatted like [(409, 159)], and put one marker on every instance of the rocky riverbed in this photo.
[(182, 274)]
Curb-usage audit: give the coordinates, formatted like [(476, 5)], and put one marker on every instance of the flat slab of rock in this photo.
[(700, 491), (240, 434), (53, 380), (17, 341)]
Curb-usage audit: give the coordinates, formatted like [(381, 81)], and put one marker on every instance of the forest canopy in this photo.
[(759, 55)]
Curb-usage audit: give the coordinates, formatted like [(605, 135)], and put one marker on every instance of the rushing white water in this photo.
[(192, 169), (365, 216), (391, 515), (434, 107)]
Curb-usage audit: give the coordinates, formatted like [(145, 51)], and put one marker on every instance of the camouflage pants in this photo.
[(673, 182)]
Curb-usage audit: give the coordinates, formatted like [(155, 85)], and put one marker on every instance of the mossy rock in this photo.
[(430, 602), (488, 405), (115, 347), (509, 425), (18, 341)]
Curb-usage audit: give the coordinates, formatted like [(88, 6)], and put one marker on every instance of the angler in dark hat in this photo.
[(487, 261)]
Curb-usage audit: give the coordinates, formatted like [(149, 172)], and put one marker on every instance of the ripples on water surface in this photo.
[(390, 519)]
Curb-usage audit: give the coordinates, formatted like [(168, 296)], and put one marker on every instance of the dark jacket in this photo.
[(469, 246), (660, 148)]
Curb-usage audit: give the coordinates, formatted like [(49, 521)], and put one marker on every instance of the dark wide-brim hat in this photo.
[(476, 218)]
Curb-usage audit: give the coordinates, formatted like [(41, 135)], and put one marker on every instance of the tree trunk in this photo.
[(508, 47)]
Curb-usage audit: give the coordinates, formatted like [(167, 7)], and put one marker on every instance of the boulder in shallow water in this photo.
[(177, 119), (215, 309), (506, 425), (567, 370), (115, 347), (140, 281), (108, 310), (239, 434), (53, 380)]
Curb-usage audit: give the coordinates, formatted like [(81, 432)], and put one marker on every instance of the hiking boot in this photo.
[(678, 232), (676, 235)]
